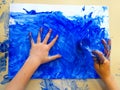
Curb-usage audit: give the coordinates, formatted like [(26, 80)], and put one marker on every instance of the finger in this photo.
[(47, 37), (108, 55), (54, 57), (109, 44), (105, 47), (38, 38), (53, 41), (99, 56), (31, 39), (109, 49), (96, 63)]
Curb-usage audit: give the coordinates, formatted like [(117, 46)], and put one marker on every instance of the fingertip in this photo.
[(59, 56), (103, 41), (54, 57), (50, 30), (30, 33), (94, 52), (41, 29), (57, 36), (98, 54), (30, 36), (109, 39), (109, 42)]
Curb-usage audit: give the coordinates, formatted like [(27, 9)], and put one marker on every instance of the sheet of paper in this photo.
[(80, 30)]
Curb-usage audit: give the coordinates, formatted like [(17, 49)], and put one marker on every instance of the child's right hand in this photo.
[(103, 69)]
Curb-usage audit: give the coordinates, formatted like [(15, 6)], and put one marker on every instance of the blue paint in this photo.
[(73, 85), (2, 64), (48, 85), (32, 12), (3, 1), (83, 8), (64, 85), (104, 8), (4, 46), (77, 38), (3, 59), (5, 80)]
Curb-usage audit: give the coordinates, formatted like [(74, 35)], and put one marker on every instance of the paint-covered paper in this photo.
[(80, 30)]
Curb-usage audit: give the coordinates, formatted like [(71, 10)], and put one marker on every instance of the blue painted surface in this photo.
[(77, 38), (64, 85), (48, 85), (69, 84), (3, 59), (5, 80)]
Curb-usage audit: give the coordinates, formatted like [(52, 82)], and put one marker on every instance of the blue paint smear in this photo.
[(65, 85), (48, 85), (3, 59), (4, 1), (77, 38), (5, 80)]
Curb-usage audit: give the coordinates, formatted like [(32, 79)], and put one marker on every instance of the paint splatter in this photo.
[(3, 49), (78, 36), (3, 60), (48, 85), (64, 85), (2, 64), (5, 80), (4, 1)]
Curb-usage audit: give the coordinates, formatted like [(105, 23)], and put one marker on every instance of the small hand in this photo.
[(40, 50), (103, 68)]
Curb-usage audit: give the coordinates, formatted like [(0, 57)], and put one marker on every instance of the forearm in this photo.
[(23, 76), (39, 54), (111, 83)]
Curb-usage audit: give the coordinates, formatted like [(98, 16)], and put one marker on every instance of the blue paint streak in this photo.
[(3, 1), (5, 80), (64, 85), (83, 8), (77, 38), (4, 46), (3, 59), (48, 85), (104, 8)]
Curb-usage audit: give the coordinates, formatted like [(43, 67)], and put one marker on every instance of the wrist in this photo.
[(34, 60), (108, 79)]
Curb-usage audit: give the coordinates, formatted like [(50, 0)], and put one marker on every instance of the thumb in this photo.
[(54, 57)]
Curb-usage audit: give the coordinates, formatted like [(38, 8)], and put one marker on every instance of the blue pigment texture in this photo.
[(3, 58), (78, 36)]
